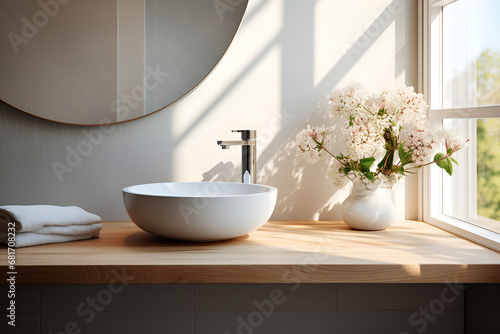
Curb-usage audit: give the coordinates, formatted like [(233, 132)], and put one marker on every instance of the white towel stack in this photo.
[(46, 224)]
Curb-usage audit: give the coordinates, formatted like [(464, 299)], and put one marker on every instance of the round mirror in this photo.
[(93, 62)]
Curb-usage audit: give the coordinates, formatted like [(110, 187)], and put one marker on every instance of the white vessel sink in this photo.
[(199, 211)]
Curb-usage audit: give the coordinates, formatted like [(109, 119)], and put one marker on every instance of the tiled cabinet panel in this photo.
[(117, 298), (119, 322), (283, 297), (255, 309)]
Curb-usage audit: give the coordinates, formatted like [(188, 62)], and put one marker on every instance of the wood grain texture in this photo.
[(279, 252)]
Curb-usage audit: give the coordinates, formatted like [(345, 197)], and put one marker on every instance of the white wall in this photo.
[(286, 57)]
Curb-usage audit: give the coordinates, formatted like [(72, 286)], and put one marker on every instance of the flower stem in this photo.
[(430, 163), (401, 164), (324, 148)]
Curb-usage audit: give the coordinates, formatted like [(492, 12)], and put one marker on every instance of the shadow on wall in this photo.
[(305, 191)]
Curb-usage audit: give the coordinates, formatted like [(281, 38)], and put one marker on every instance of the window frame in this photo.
[(430, 79)]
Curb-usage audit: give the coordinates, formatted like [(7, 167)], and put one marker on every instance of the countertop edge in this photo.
[(238, 274)]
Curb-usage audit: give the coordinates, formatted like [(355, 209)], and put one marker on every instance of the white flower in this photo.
[(339, 179), (375, 103), (403, 105), (381, 180), (307, 142), (364, 137), (352, 175), (452, 140), (347, 101), (375, 126), (391, 180), (418, 136)]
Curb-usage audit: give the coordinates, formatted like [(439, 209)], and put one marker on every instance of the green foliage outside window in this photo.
[(488, 137)]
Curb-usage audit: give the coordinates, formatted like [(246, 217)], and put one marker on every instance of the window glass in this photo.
[(471, 53), (462, 83), (472, 194), (488, 168)]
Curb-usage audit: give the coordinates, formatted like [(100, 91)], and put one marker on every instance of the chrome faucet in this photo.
[(248, 154)]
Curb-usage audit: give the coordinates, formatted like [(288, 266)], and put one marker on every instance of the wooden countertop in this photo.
[(279, 252)]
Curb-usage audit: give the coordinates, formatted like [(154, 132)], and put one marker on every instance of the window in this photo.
[(460, 77)]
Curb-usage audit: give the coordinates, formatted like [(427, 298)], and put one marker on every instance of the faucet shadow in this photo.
[(306, 192)]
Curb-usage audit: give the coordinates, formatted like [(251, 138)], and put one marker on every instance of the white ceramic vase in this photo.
[(368, 207)]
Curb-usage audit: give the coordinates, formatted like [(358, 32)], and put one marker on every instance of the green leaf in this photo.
[(439, 156), (381, 163), (445, 164), (400, 171), (389, 157), (351, 120), (453, 159), (449, 170), (319, 145), (404, 157), (370, 175), (401, 151), (366, 163)]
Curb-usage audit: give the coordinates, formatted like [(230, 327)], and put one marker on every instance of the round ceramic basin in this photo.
[(199, 211)]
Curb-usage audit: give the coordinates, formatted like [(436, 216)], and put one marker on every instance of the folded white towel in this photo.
[(44, 224), (33, 217), (68, 230), (33, 239)]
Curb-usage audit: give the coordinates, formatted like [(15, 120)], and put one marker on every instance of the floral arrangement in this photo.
[(386, 137)]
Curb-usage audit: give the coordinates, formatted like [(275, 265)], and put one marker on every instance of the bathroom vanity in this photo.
[(291, 277), (279, 252)]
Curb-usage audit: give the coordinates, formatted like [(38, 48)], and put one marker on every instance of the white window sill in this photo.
[(468, 231)]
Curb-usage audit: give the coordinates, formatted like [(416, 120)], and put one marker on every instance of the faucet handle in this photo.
[(247, 134)]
